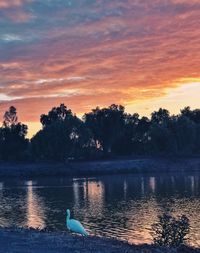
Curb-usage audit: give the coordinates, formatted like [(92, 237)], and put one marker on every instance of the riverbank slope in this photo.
[(92, 168), (32, 241)]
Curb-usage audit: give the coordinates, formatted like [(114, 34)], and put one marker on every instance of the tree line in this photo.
[(101, 133)]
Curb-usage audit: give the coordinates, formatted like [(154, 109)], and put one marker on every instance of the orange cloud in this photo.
[(14, 10), (119, 52)]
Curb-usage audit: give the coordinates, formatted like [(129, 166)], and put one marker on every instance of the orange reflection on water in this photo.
[(152, 184), (35, 209), (141, 216), (95, 195)]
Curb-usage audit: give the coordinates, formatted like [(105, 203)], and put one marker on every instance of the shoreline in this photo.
[(102, 167), (33, 241)]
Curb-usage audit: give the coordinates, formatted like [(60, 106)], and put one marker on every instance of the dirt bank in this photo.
[(31, 241), (101, 167)]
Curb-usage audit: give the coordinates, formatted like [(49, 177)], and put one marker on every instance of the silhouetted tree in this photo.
[(13, 142), (57, 113), (160, 116), (63, 136), (192, 115), (185, 135), (124, 144), (106, 125), (102, 131), (161, 140), (197, 140), (10, 117), (141, 139)]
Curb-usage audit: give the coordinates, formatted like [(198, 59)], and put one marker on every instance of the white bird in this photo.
[(74, 225)]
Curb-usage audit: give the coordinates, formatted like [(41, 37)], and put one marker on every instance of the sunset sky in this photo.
[(143, 54)]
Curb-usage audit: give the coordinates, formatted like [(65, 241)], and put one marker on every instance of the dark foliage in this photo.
[(107, 125), (106, 132), (63, 136), (60, 113), (13, 144), (169, 231)]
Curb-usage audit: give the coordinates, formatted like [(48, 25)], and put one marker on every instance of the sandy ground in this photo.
[(31, 241)]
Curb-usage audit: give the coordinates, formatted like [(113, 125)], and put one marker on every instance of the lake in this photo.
[(117, 206)]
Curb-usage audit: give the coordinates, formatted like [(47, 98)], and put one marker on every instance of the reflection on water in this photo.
[(35, 208), (122, 206)]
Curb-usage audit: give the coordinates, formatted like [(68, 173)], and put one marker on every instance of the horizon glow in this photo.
[(87, 53)]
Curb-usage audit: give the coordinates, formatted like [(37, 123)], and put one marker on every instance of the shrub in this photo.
[(169, 231)]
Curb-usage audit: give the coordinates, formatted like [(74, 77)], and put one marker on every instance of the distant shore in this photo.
[(103, 167), (32, 241)]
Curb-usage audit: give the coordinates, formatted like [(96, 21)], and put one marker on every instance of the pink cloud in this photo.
[(131, 47), (4, 4)]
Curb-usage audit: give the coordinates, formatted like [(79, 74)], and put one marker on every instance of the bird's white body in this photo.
[(74, 225)]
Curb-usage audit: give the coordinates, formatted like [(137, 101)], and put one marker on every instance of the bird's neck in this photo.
[(68, 217)]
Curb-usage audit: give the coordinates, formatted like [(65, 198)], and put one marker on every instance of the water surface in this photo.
[(123, 206)]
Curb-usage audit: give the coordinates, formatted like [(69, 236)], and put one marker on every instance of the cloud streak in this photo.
[(96, 52), (6, 4)]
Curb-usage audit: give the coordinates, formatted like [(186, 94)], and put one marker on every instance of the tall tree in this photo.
[(160, 116), (185, 135), (10, 117), (161, 139), (13, 142), (106, 125), (193, 115), (125, 143), (63, 136), (141, 139), (56, 113)]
